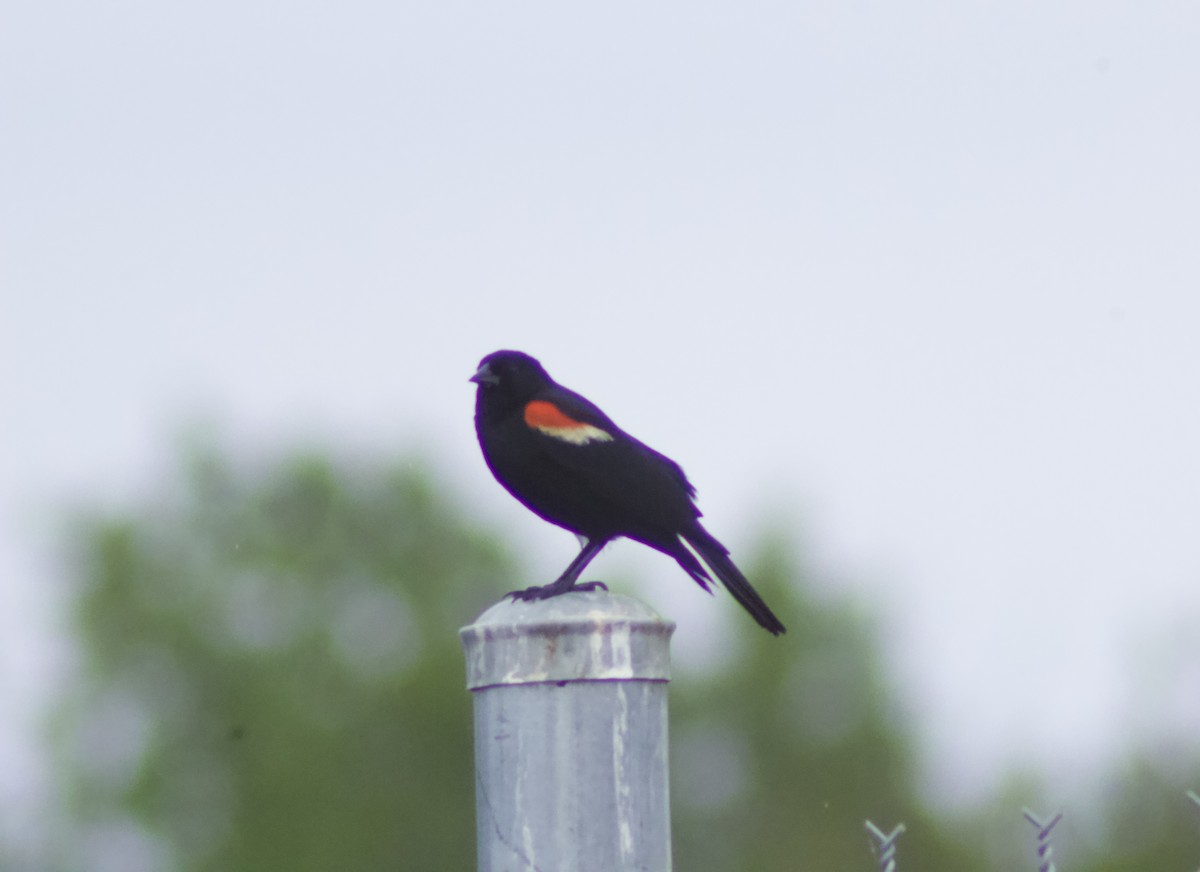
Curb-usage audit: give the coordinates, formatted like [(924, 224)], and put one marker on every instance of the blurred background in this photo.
[(912, 294)]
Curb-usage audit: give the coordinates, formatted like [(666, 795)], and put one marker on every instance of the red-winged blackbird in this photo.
[(568, 463)]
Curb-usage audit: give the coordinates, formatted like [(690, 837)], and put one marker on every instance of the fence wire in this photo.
[(885, 843)]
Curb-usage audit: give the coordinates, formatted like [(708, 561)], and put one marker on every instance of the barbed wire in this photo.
[(1045, 850), (886, 845)]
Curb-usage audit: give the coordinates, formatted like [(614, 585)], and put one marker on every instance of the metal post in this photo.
[(570, 698)]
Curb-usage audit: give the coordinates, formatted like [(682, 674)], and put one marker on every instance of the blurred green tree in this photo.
[(272, 677), (1144, 818), (271, 680), (779, 757)]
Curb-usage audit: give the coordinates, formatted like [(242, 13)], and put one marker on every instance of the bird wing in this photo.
[(606, 464)]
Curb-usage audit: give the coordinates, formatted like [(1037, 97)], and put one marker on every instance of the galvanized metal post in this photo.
[(570, 699)]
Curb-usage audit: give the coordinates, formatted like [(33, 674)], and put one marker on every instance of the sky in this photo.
[(919, 286)]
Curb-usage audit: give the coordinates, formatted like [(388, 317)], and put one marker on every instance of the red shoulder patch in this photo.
[(542, 414), (549, 420)]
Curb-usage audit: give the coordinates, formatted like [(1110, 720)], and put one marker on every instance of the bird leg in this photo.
[(565, 583)]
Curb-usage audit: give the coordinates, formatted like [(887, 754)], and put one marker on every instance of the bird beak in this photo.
[(484, 376)]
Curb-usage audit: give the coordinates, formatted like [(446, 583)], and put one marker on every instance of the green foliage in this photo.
[(273, 681), (779, 758), (1147, 820), (273, 674)]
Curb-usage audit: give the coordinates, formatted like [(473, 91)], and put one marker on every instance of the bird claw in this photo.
[(529, 594), (533, 594), (590, 585)]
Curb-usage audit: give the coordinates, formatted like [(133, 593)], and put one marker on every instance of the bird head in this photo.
[(511, 372)]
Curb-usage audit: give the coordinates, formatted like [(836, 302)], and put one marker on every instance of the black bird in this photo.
[(568, 463)]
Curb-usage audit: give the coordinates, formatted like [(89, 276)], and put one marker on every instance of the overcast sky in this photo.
[(919, 284)]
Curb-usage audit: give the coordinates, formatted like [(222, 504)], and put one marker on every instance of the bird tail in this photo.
[(716, 557)]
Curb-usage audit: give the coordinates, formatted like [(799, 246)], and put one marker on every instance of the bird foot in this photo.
[(532, 594)]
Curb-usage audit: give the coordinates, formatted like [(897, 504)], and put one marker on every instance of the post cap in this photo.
[(584, 636)]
